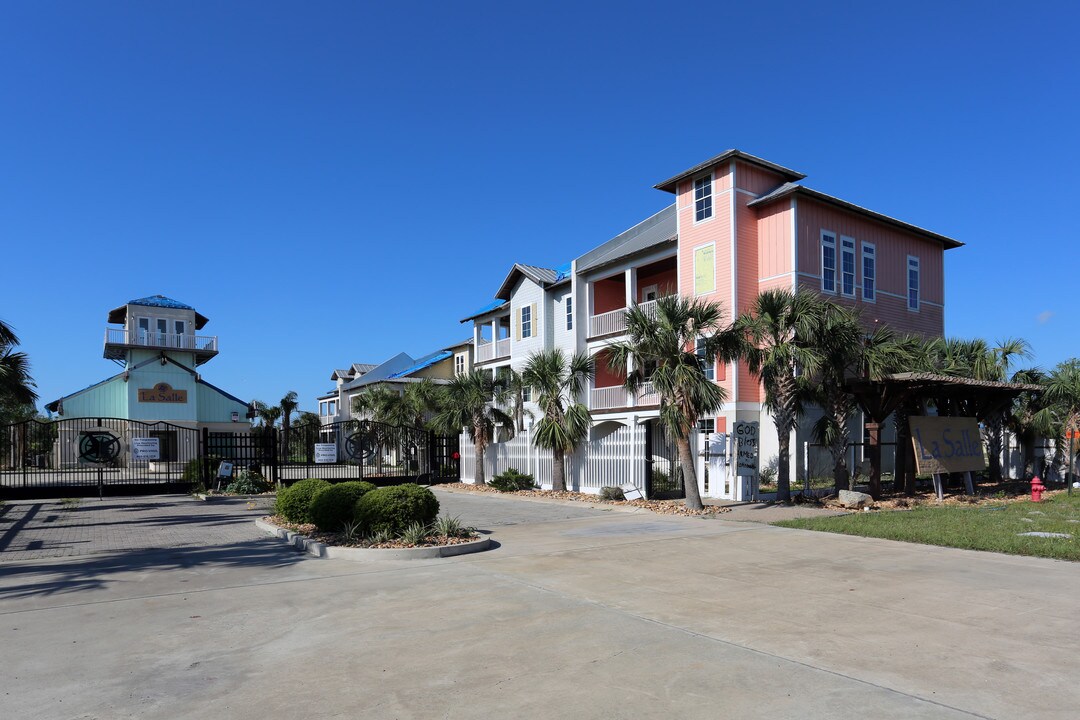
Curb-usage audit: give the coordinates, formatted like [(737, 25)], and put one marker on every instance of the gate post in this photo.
[(203, 455)]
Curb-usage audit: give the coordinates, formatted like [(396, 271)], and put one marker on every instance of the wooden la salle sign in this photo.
[(162, 393), (946, 444)]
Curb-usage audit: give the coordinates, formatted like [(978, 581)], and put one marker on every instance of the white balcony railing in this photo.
[(647, 395), (604, 398), (487, 350), (176, 341), (614, 321)]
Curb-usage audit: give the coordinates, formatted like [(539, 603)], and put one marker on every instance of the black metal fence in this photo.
[(663, 473), (113, 456)]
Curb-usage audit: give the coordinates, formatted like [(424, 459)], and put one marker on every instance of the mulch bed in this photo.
[(928, 499), (663, 507), (338, 540)]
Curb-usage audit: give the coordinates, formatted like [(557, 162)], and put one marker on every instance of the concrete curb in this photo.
[(550, 501), (322, 550)]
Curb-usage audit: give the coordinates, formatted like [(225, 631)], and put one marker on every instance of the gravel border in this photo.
[(322, 550)]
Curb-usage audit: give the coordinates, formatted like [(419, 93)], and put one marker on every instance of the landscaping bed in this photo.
[(996, 524), (339, 539), (663, 507)]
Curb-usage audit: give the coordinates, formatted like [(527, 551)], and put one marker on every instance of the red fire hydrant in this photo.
[(1037, 489)]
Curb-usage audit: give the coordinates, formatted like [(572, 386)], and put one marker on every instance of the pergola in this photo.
[(955, 396)]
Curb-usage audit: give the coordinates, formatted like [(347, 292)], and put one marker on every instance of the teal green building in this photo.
[(154, 340)]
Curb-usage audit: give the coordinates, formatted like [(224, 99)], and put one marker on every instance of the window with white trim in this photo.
[(703, 198), (526, 322), (869, 272), (912, 282), (828, 262), (569, 312), (847, 266), (526, 393), (459, 364), (707, 425), (709, 368)]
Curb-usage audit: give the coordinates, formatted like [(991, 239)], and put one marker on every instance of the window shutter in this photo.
[(533, 321), (517, 325)]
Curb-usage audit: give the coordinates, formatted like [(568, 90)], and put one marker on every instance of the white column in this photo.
[(631, 286)]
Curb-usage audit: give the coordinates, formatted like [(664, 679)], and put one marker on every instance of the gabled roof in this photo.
[(541, 276), (490, 307), (649, 233), (361, 368), (119, 315), (670, 185), (382, 371), (789, 189), (422, 363)]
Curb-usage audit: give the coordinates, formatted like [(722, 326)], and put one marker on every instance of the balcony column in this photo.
[(494, 333), (631, 398), (476, 335), (631, 286)]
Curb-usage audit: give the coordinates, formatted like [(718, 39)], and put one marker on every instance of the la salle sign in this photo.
[(946, 444), (162, 393)]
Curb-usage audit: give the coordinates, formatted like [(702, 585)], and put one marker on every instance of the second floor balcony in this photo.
[(118, 341), (617, 397), (486, 350), (610, 297)]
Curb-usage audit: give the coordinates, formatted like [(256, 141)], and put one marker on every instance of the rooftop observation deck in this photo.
[(118, 341)]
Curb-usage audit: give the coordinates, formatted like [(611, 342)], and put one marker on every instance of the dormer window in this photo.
[(703, 198)]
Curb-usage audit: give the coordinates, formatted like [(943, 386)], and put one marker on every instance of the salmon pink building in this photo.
[(739, 225)]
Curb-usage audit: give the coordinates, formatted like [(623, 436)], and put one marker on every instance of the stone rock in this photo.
[(851, 499), (1066, 536)]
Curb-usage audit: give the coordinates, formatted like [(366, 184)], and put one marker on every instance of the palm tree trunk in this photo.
[(783, 457), (478, 471), (993, 446), (558, 470), (686, 462)]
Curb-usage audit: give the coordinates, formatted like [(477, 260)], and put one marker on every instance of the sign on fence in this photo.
[(946, 444), (224, 469), (145, 448), (746, 437), (325, 452)]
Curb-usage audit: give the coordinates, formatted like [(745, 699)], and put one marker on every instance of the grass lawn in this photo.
[(986, 527)]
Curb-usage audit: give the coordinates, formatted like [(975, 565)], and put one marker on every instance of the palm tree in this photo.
[(288, 405), (777, 350), (16, 385), (268, 414), (1027, 418), (413, 406), (558, 382), (1063, 414), (471, 401), (665, 341), (516, 386)]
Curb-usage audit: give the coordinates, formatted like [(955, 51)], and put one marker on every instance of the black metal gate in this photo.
[(114, 456), (97, 456), (663, 474), (366, 450)]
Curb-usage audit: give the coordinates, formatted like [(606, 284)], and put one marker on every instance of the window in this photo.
[(828, 262), (459, 364), (704, 270), (526, 322), (331, 407), (703, 198), (706, 367), (144, 331), (162, 331), (706, 426), (912, 283), (569, 313), (869, 272), (178, 326), (526, 393), (847, 266)]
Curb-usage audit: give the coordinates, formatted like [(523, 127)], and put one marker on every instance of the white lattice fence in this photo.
[(616, 459)]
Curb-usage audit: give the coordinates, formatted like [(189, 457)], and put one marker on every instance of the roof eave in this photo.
[(948, 242), (671, 184)]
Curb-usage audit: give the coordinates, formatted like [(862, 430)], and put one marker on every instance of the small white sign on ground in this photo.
[(224, 469), (325, 452), (630, 492), (145, 448), (746, 437)]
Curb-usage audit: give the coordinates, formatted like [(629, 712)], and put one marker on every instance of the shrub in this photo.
[(294, 501), (248, 483), (512, 481), (192, 468), (450, 527), (395, 508), (334, 506), (414, 534), (612, 493)]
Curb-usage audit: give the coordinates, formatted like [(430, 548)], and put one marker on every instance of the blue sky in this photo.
[(338, 182)]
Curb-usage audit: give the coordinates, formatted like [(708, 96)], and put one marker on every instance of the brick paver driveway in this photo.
[(36, 529)]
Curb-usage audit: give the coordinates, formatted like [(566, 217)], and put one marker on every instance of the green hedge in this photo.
[(294, 502), (512, 481), (334, 506), (392, 509)]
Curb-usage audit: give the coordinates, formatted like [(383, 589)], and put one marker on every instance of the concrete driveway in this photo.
[(583, 614)]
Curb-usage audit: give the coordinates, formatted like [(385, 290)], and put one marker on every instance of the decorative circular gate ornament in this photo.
[(360, 445), (98, 446)]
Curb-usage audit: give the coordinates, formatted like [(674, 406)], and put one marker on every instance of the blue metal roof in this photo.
[(423, 363), (162, 302), (486, 309), (562, 272)]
